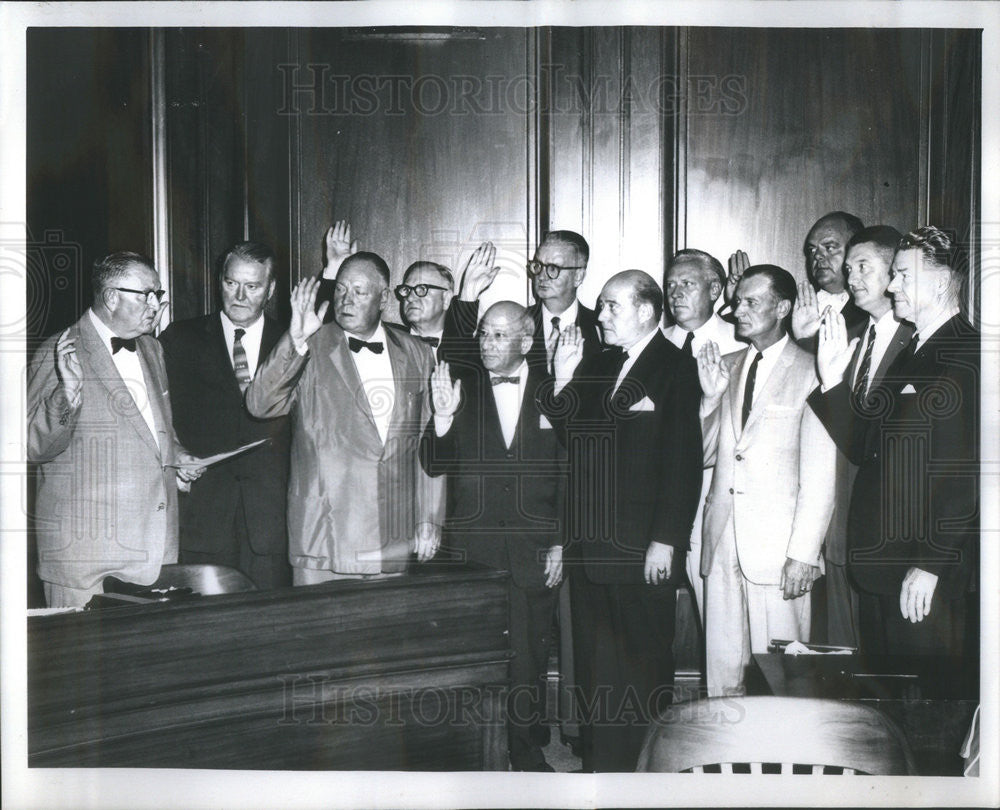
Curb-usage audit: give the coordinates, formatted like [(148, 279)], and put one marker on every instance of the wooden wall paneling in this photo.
[(419, 140), (784, 125), (88, 157), (269, 154), (205, 160)]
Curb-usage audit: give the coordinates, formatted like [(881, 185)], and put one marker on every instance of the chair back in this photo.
[(774, 735)]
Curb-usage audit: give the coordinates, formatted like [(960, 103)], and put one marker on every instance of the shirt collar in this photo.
[(253, 331), (884, 323), (773, 350), (636, 349), (103, 330), (565, 317), (927, 332), (439, 335), (378, 336)]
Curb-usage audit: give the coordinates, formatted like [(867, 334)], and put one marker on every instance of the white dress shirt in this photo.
[(885, 328), (508, 399), (715, 329), (253, 334), (633, 353), (928, 331), (768, 360), (130, 370), (836, 302), (566, 317), (375, 371)]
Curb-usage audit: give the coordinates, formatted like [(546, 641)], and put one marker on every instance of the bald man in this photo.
[(505, 496)]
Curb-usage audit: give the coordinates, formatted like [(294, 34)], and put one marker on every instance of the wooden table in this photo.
[(931, 698), (404, 673)]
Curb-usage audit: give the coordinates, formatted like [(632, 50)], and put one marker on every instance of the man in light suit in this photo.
[(771, 499), (867, 265), (913, 528), (630, 417), (236, 515), (695, 281), (100, 431), (505, 501), (358, 500)]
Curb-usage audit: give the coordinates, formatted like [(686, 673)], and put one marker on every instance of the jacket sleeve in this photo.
[(52, 418), (844, 425), (815, 498), (272, 391), (430, 495)]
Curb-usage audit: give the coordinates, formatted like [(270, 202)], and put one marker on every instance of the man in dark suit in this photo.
[(630, 417), (556, 272), (99, 429), (236, 514), (359, 502), (913, 529), (867, 266), (505, 496)]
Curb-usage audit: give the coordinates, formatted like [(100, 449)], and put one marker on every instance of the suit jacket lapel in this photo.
[(775, 382), (644, 367), (106, 372), (899, 341), (156, 394), (343, 364), (735, 390)]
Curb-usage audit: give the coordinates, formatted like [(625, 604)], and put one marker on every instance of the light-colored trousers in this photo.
[(741, 618)]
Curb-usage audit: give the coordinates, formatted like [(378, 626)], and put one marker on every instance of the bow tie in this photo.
[(498, 380), (357, 345), (128, 344), (430, 341)]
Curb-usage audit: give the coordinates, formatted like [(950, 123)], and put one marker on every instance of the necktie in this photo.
[(748, 389), (553, 342), (128, 344), (687, 343), (357, 345), (860, 392), (498, 380), (430, 341), (240, 364)]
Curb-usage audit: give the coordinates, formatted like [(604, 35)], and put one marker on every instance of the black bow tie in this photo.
[(357, 345), (430, 341), (128, 344), (498, 380)]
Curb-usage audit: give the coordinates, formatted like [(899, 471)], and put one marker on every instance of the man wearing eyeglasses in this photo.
[(100, 430), (358, 499), (236, 514)]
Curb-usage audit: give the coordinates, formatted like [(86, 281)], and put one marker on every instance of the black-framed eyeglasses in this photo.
[(158, 294), (535, 268), (404, 290)]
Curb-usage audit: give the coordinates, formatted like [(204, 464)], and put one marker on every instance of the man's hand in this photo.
[(446, 395), (713, 373), (833, 354), (797, 578), (305, 319), (568, 354), (479, 272), (917, 594), (189, 468), (738, 264), (426, 540), (68, 368), (805, 313), (553, 566), (338, 247), (659, 562)]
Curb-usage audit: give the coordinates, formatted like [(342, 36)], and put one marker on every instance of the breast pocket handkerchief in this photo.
[(644, 404)]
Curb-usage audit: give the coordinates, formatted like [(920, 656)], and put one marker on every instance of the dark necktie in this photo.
[(498, 380), (860, 392), (688, 348), (748, 388), (429, 340), (553, 343), (357, 345), (128, 344), (240, 364)]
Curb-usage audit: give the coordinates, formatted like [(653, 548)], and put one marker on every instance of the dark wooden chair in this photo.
[(774, 735)]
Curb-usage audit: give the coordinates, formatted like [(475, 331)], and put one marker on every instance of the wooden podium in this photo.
[(403, 673)]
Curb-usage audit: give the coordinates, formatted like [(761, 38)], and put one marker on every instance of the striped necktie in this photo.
[(860, 392), (240, 364)]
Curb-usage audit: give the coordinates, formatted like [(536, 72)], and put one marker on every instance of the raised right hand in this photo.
[(338, 247), (568, 353), (479, 272), (834, 353), (306, 321), (738, 264), (68, 368), (446, 395), (805, 313), (713, 373)]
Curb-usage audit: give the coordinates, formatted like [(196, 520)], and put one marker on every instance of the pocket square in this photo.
[(543, 422), (908, 389), (644, 404)]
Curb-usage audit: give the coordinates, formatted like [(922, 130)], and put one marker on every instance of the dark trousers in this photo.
[(834, 608), (266, 570), (623, 637), (530, 625), (884, 630)]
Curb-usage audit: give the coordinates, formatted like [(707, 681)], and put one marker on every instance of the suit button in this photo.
[(502, 523), (507, 488), (161, 507), (730, 490), (739, 457), (508, 454)]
